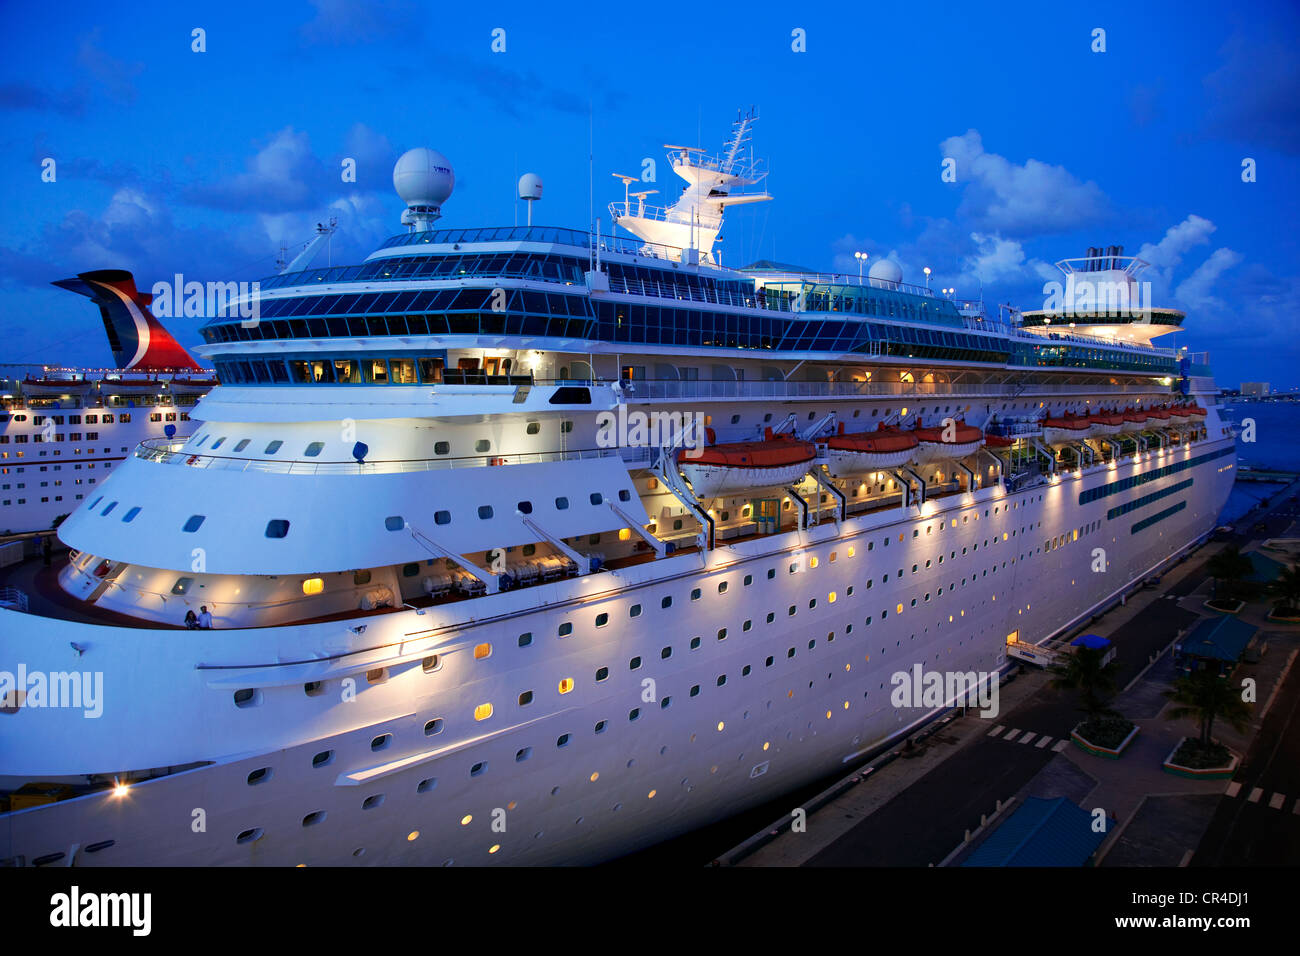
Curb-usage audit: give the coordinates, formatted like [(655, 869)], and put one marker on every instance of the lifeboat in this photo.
[(966, 440), (733, 467), (863, 452), (1066, 428), (1182, 414), (1134, 420), (1157, 416), (1196, 412), (998, 441), (1106, 423)]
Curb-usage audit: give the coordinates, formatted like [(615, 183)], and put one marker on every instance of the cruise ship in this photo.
[(533, 545), (63, 430)]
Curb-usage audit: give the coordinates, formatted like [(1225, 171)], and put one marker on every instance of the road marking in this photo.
[(1011, 735), (1234, 788), (1255, 795), (1028, 737), (1059, 746), (997, 730), (1042, 742), (1275, 802)]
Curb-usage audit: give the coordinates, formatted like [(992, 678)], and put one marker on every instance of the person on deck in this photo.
[(205, 617), (191, 620)]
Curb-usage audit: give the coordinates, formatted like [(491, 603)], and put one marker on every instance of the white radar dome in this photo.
[(885, 274), (423, 177), (530, 186)]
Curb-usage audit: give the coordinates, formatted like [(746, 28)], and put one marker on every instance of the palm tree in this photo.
[(1205, 696), (1287, 587), (1095, 682), (1228, 566)]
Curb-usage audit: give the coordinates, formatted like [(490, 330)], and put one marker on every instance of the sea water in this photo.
[(1275, 448)]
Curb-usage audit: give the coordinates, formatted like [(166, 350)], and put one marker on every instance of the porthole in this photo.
[(249, 836), (323, 759), (314, 449), (442, 517), (313, 688), (372, 801), (394, 522), (433, 727), (193, 523), (313, 818), (431, 663), (277, 528), (525, 698), (381, 742), (261, 775), (246, 697), (427, 784)]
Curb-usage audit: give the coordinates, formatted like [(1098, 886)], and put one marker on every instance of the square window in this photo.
[(277, 528), (442, 517), (485, 512)]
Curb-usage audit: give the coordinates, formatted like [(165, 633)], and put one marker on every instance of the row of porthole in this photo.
[(373, 801), (428, 784)]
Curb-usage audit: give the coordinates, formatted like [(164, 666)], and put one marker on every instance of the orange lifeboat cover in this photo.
[(882, 441), (774, 452), (964, 434)]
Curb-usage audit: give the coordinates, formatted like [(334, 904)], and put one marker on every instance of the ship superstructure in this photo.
[(584, 534)]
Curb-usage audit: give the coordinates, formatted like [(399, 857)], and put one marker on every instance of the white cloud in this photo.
[(1036, 198), (1194, 292)]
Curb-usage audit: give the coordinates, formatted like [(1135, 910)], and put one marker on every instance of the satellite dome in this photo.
[(530, 186), (885, 274), (423, 177)]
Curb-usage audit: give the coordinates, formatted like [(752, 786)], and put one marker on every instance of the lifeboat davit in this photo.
[(863, 452), (733, 467), (1066, 428), (965, 440), (1106, 423)]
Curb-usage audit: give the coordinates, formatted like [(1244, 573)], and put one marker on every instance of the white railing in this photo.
[(634, 210), (665, 389), (169, 452)]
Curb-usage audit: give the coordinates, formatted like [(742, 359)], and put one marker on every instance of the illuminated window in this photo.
[(566, 685), (482, 711), (482, 652), (313, 586)]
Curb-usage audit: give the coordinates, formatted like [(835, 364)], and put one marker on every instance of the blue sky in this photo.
[(169, 160)]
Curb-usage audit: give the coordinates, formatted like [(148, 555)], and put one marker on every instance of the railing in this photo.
[(711, 295), (662, 214), (169, 452), (645, 390), (13, 599)]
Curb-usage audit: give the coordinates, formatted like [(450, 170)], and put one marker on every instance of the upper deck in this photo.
[(566, 290)]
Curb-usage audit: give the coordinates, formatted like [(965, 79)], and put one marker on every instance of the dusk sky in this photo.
[(169, 160)]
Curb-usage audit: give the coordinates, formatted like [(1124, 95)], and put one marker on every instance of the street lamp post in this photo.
[(927, 277), (862, 258)]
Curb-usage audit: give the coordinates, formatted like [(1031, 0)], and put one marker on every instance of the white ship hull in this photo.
[(717, 481), (931, 451), (846, 464), (612, 784), (1063, 436)]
